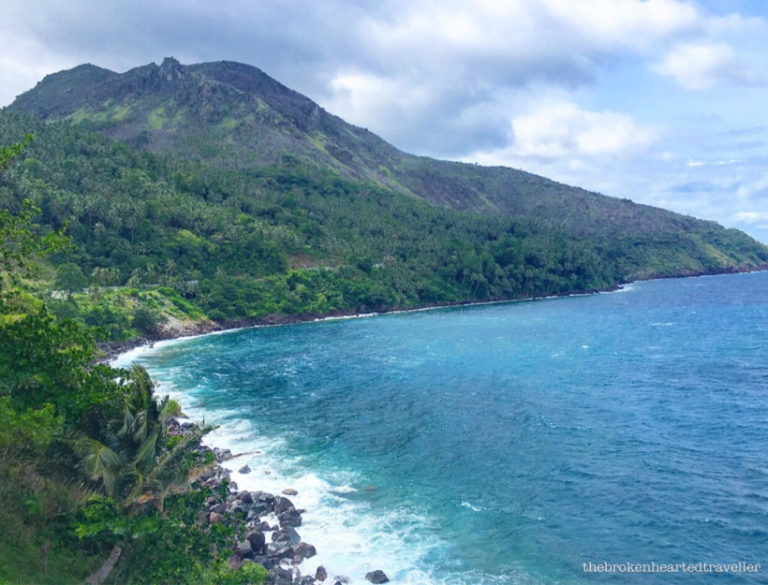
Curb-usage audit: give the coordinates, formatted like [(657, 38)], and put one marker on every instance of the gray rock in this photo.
[(321, 574), (281, 576), (283, 505), (303, 551), (245, 497), (280, 550), (236, 507), (290, 518), (290, 492), (257, 541), (244, 469), (243, 549), (263, 503), (286, 534), (377, 577), (215, 518), (261, 508)]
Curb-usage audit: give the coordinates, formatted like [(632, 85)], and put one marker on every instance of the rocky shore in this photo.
[(265, 524)]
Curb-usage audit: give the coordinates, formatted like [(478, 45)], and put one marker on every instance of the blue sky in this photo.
[(660, 101)]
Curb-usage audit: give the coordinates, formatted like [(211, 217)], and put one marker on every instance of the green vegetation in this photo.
[(88, 465), (161, 243), (213, 193)]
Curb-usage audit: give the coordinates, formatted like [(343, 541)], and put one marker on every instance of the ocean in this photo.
[(588, 439)]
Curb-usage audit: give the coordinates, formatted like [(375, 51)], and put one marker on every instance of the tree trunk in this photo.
[(101, 575)]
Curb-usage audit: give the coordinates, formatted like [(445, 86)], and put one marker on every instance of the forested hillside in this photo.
[(158, 238)]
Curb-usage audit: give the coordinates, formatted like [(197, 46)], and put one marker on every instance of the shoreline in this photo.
[(113, 349), (285, 571)]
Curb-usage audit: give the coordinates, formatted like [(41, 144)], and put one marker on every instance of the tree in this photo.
[(133, 458), (19, 242), (70, 277)]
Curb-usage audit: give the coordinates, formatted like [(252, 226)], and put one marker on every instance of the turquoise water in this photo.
[(507, 443)]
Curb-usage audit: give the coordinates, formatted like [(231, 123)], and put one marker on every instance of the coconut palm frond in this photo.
[(99, 462), (147, 452)]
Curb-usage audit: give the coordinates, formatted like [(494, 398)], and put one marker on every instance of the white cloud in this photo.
[(626, 23), (557, 130), (697, 66), (524, 39), (751, 217)]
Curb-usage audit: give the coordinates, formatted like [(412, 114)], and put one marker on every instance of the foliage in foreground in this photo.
[(86, 460)]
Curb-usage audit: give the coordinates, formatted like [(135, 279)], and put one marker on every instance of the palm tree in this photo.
[(134, 460)]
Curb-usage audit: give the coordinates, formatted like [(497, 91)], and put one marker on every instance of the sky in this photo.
[(664, 102)]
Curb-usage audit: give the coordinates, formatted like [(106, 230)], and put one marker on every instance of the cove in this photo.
[(506, 443)]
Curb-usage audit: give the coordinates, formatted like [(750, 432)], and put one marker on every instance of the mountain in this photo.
[(212, 190), (232, 115)]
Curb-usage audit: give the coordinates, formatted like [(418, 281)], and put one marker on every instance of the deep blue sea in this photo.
[(506, 443)]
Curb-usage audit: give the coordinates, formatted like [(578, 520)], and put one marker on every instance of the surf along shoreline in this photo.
[(112, 350), (269, 522), (264, 513), (183, 330)]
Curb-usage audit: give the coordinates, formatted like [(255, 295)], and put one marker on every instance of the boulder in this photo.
[(236, 507), (263, 503), (286, 534), (377, 577), (244, 469), (215, 518), (243, 549), (283, 505), (290, 518), (279, 550), (245, 497), (303, 551), (290, 492), (321, 574), (258, 542), (280, 576)]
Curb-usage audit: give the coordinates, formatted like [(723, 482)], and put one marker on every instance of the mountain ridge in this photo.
[(247, 119)]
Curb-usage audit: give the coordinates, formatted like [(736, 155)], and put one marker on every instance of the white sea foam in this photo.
[(352, 537), (622, 288)]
